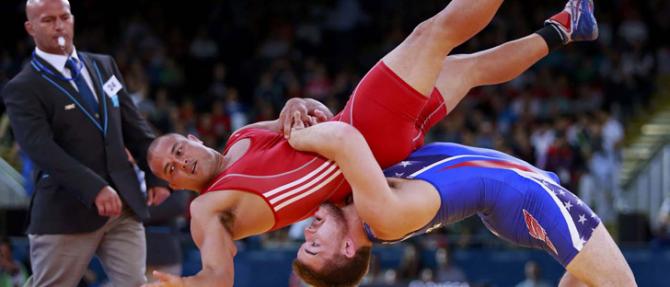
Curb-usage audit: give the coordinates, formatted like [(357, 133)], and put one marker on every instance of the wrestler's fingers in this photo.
[(297, 122), (312, 121), (295, 119), (291, 122), (286, 125), (161, 276), (305, 118), (320, 116), (168, 279)]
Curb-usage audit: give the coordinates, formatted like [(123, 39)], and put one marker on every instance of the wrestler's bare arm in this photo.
[(389, 212), (216, 245), (311, 111), (266, 125)]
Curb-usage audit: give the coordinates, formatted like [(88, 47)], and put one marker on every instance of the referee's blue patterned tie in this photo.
[(86, 94)]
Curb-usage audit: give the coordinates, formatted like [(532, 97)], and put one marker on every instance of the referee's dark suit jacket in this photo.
[(76, 154)]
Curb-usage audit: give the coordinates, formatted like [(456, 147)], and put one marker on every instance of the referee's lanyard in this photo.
[(46, 72), (44, 69)]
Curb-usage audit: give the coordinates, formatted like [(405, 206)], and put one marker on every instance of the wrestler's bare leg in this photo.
[(599, 263), (418, 59), (500, 64)]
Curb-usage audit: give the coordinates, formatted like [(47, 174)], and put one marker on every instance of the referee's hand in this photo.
[(108, 202)]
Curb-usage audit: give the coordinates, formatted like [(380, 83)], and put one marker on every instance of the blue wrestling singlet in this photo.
[(516, 201)]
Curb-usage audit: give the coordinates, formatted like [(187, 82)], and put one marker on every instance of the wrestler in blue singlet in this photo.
[(516, 201)]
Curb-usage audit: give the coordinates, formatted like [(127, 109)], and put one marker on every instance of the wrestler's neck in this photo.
[(360, 237), (355, 226), (222, 163)]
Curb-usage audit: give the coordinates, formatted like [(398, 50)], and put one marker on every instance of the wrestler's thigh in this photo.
[(418, 59), (600, 262)]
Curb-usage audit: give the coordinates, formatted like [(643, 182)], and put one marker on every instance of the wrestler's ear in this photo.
[(193, 138), (348, 247)]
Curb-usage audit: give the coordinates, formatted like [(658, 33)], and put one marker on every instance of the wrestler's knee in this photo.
[(424, 29), (436, 29)]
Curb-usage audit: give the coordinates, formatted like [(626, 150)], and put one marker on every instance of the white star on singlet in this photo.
[(582, 218), (568, 205), (399, 174), (405, 163)]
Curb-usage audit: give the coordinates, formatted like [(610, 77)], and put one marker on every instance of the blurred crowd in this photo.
[(238, 64)]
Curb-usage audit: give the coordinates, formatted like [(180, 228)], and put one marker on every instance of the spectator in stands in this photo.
[(560, 158), (612, 140), (235, 109), (410, 266), (446, 271), (661, 225), (541, 138), (390, 277), (12, 272), (426, 278), (533, 276), (602, 171)]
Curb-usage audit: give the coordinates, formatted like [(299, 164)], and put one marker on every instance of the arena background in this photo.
[(209, 67)]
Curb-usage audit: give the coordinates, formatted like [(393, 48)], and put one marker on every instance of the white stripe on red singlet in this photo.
[(262, 176), (307, 193), (289, 185), (291, 192)]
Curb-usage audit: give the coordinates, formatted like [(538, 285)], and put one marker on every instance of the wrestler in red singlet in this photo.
[(390, 114)]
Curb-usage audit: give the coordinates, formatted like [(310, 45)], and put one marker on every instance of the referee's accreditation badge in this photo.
[(111, 88)]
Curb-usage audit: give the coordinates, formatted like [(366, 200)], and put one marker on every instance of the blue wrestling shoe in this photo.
[(576, 22)]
